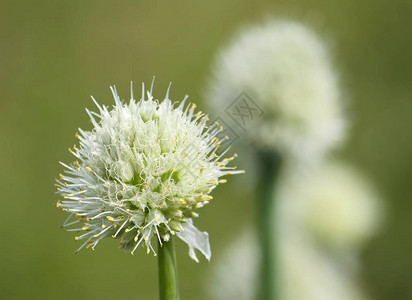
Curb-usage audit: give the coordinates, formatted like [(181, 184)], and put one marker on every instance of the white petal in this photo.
[(195, 239)]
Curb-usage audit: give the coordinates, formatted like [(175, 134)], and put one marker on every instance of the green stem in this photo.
[(269, 168), (168, 283)]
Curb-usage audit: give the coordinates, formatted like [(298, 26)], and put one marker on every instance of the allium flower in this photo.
[(304, 272), (285, 69), (142, 173), (234, 276), (335, 204)]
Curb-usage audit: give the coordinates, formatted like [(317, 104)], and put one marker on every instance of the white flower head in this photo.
[(304, 272), (143, 172), (335, 204), (285, 69)]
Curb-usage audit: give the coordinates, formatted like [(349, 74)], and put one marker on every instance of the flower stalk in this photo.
[(168, 280), (270, 163)]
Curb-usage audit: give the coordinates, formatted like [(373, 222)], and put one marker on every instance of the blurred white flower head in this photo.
[(335, 204), (142, 173), (234, 276), (285, 69), (304, 272)]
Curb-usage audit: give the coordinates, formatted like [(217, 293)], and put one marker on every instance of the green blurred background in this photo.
[(54, 54)]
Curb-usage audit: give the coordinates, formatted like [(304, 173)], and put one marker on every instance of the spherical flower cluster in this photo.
[(285, 69), (335, 205), (143, 172), (304, 272)]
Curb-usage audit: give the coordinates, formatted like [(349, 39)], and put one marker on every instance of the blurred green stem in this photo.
[(168, 283), (270, 163)]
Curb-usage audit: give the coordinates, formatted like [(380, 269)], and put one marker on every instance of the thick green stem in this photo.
[(168, 283), (269, 168)]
